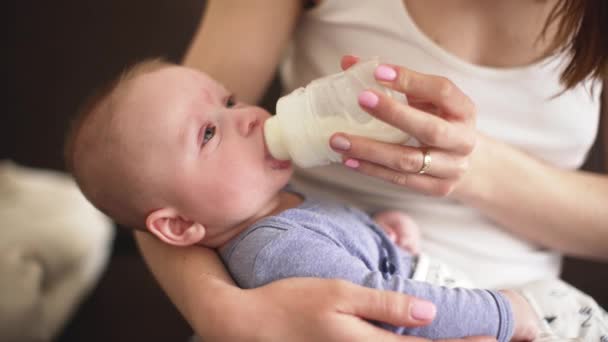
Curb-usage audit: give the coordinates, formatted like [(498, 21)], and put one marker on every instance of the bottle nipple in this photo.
[(273, 136)]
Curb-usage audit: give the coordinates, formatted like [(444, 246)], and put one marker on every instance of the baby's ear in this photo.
[(169, 226)]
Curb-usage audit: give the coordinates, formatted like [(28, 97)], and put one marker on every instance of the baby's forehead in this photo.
[(168, 87), (186, 78), (150, 96)]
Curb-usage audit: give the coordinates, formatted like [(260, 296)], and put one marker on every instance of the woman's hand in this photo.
[(439, 115), (307, 309), (294, 309)]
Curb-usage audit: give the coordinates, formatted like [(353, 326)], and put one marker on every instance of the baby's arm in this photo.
[(400, 228), (460, 312), (405, 233)]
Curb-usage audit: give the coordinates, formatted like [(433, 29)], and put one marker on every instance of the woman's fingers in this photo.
[(428, 129), (394, 308), (437, 90), (438, 114), (403, 159), (338, 310), (373, 333), (387, 306), (347, 61), (422, 183)]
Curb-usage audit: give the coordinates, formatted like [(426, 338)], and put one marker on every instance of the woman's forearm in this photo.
[(251, 45), (194, 278), (560, 209), (284, 310)]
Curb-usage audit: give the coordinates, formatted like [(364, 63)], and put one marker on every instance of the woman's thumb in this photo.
[(391, 307)]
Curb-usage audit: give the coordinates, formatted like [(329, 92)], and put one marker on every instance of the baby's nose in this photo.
[(248, 124)]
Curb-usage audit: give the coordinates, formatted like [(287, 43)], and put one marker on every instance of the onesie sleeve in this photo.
[(460, 312)]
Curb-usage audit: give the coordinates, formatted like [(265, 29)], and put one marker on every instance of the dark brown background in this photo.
[(64, 49)]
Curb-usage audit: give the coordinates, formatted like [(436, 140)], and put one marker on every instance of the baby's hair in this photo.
[(100, 95), (100, 103)]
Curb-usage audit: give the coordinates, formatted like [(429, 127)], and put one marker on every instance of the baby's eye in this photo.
[(230, 101), (208, 134)]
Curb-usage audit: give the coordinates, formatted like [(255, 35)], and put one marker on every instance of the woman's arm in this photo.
[(196, 282), (240, 43), (559, 209), (188, 276)]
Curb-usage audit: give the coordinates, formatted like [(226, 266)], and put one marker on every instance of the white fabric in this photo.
[(53, 248), (433, 271), (515, 105), (562, 312), (565, 313)]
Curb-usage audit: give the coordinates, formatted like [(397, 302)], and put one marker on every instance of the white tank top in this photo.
[(515, 105)]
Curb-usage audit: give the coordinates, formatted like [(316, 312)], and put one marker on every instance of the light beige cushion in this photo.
[(53, 248)]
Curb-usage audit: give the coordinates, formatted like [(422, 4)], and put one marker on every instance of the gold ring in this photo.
[(426, 162)]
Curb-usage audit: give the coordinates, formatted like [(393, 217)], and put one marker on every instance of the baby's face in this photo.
[(203, 152)]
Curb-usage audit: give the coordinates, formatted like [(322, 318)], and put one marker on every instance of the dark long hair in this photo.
[(582, 32)]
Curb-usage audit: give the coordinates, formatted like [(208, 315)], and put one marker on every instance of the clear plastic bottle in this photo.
[(307, 117)]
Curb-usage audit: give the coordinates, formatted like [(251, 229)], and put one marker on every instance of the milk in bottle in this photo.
[(307, 117)]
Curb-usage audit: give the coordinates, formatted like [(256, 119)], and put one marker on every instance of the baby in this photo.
[(168, 150)]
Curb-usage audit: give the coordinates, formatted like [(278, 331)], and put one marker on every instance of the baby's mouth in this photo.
[(275, 164)]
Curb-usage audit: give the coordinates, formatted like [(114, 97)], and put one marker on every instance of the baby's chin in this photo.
[(281, 177)]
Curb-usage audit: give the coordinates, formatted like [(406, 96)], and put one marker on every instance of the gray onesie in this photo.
[(330, 240)]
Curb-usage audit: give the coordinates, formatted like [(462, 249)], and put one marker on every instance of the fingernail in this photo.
[(340, 143), (368, 99), (422, 310), (385, 73), (352, 163)]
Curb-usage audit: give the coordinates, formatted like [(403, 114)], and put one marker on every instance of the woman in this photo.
[(501, 165)]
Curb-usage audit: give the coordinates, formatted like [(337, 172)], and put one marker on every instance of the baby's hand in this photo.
[(526, 320), (401, 229)]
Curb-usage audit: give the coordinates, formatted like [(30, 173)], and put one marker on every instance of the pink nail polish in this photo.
[(368, 99), (340, 143), (385, 73), (352, 163), (422, 310)]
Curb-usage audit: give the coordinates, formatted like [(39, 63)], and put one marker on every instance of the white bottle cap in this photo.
[(273, 136)]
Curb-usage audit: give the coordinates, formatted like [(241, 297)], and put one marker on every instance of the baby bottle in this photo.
[(307, 117)]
